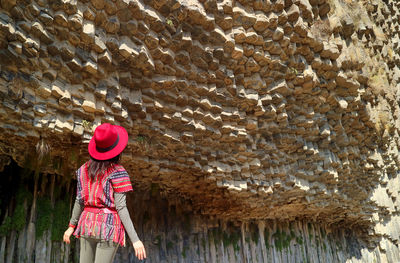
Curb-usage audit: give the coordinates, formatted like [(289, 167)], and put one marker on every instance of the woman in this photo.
[(100, 216)]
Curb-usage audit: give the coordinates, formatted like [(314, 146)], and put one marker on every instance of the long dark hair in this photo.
[(98, 167)]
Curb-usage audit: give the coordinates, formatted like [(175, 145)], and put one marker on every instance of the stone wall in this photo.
[(169, 229), (281, 110)]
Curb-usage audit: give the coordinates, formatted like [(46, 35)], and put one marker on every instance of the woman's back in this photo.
[(100, 219), (98, 190)]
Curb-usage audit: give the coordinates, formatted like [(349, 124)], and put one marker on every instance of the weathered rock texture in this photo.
[(249, 110)]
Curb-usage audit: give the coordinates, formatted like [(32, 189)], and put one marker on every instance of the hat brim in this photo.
[(101, 156)]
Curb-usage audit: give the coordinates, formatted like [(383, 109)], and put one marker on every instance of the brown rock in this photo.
[(293, 13), (98, 4), (88, 104), (8, 4), (243, 17), (324, 9), (273, 20), (75, 21), (300, 27), (261, 23), (60, 18), (278, 6), (252, 65), (278, 34), (112, 25), (306, 9), (88, 32), (237, 53), (38, 30), (237, 101), (348, 26)]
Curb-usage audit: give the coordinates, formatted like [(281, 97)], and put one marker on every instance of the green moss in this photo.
[(293, 70), (19, 217), (339, 245), (158, 241), (6, 227), (88, 125), (60, 220), (141, 138), (217, 234), (17, 221), (299, 240), (292, 234), (22, 195), (282, 240), (170, 245), (235, 241), (310, 235), (225, 239), (266, 238), (278, 240), (20, 213), (254, 236), (231, 239), (44, 216), (323, 233), (184, 250)]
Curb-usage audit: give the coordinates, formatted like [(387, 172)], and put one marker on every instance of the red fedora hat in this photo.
[(107, 142)]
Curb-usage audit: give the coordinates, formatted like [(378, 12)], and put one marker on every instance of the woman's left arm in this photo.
[(120, 203)]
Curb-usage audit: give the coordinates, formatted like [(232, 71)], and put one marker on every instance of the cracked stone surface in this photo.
[(252, 110)]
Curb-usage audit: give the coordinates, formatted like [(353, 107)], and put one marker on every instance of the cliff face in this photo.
[(169, 228), (247, 111)]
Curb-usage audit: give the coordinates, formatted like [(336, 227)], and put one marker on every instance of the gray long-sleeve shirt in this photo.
[(122, 210)]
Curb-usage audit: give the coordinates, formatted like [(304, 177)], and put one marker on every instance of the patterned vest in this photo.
[(101, 221)]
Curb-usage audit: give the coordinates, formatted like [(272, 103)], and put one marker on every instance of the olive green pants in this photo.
[(97, 251)]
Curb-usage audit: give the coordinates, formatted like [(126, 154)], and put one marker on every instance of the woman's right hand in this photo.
[(140, 252)]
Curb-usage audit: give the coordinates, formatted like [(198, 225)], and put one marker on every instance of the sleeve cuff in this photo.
[(71, 225), (123, 189)]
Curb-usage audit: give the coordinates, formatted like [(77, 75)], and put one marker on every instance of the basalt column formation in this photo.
[(268, 128)]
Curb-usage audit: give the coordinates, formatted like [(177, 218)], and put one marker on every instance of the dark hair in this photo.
[(98, 167)]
